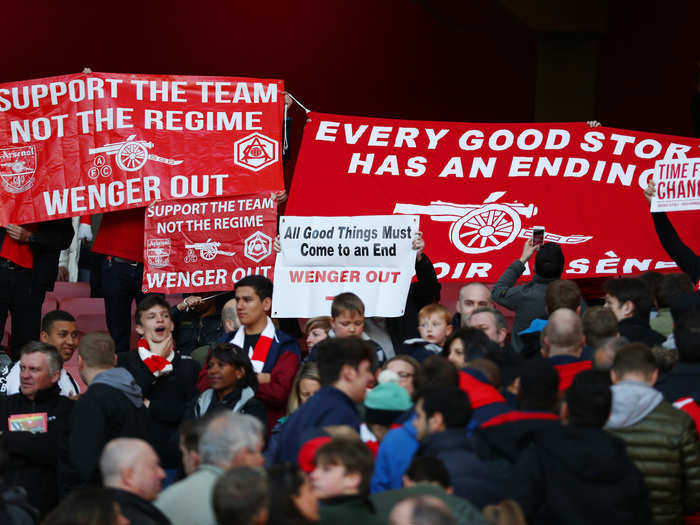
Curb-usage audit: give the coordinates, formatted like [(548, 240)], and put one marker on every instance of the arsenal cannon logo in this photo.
[(480, 228), (255, 152), (17, 168)]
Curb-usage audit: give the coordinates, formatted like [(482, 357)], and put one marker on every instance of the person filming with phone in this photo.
[(528, 300)]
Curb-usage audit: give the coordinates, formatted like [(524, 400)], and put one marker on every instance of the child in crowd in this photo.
[(348, 320), (434, 327), (316, 330), (168, 379), (341, 482), (384, 405)]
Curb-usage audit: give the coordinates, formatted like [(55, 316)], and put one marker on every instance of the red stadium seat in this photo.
[(83, 306), (50, 304), (64, 290)]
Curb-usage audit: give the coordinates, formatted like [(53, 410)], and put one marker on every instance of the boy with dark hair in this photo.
[(344, 366), (341, 482), (168, 380), (661, 440), (58, 329), (631, 301), (578, 473), (442, 415), (274, 354), (434, 327)]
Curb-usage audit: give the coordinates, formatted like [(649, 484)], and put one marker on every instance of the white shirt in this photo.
[(66, 383)]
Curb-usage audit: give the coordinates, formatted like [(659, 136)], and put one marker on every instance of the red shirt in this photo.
[(121, 234)]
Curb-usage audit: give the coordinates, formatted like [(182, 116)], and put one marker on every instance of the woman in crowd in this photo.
[(292, 501), (405, 367), (306, 383), (233, 384), (316, 330), (465, 345)]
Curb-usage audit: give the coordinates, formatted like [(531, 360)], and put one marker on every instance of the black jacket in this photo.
[(425, 290), (470, 477), (684, 257), (208, 402), (579, 475), (169, 396), (137, 510), (49, 239), (101, 414), (32, 462), (682, 381), (637, 330)]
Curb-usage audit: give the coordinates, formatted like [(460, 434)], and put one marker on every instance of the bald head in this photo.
[(132, 465), (471, 297), (564, 333), (229, 316)]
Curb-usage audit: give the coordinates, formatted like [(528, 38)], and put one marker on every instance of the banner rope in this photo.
[(300, 104)]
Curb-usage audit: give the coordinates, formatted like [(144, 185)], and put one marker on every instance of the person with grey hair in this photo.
[(241, 497), (132, 473), (604, 354), (491, 322), (422, 510), (33, 440), (230, 440), (111, 407)]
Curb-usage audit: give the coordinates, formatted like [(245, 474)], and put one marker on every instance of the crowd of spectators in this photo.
[(577, 413)]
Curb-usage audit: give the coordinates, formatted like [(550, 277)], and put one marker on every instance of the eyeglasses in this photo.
[(404, 375)]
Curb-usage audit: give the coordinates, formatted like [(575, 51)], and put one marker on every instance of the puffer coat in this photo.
[(664, 446)]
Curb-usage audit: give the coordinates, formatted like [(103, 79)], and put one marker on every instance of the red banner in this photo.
[(481, 189), (89, 143), (202, 245)]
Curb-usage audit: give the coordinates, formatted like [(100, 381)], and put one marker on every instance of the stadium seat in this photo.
[(83, 306), (50, 304), (65, 290)]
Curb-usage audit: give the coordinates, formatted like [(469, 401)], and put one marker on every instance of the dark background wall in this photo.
[(629, 64)]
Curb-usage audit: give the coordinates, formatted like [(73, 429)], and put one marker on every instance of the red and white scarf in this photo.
[(257, 355), (157, 364)]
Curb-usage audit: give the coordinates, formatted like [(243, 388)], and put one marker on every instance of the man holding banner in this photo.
[(28, 269)]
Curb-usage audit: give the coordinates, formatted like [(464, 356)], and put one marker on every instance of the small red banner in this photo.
[(202, 245)]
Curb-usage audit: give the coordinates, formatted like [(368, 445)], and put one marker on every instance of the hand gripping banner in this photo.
[(89, 143), (481, 188)]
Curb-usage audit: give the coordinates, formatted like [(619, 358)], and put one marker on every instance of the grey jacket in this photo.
[(526, 300), (190, 501)]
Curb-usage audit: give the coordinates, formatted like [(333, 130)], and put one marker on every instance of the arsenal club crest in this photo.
[(158, 253), (17, 168)]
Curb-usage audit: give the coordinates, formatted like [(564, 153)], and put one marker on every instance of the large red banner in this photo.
[(89, 143), (202, 245), (481, 189)]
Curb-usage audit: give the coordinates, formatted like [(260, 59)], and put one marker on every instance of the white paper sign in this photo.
[(677, 185), (322, 257)]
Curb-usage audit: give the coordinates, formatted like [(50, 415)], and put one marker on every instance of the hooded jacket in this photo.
[(394, 457), (663, 443), (579, 475), (111, 407), (33, 457)]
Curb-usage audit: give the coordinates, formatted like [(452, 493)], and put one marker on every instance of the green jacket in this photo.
[(464, 512), (354, 510), (664, 446)]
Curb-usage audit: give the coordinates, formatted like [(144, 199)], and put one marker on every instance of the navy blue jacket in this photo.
[(328, 406), (470, 477)]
